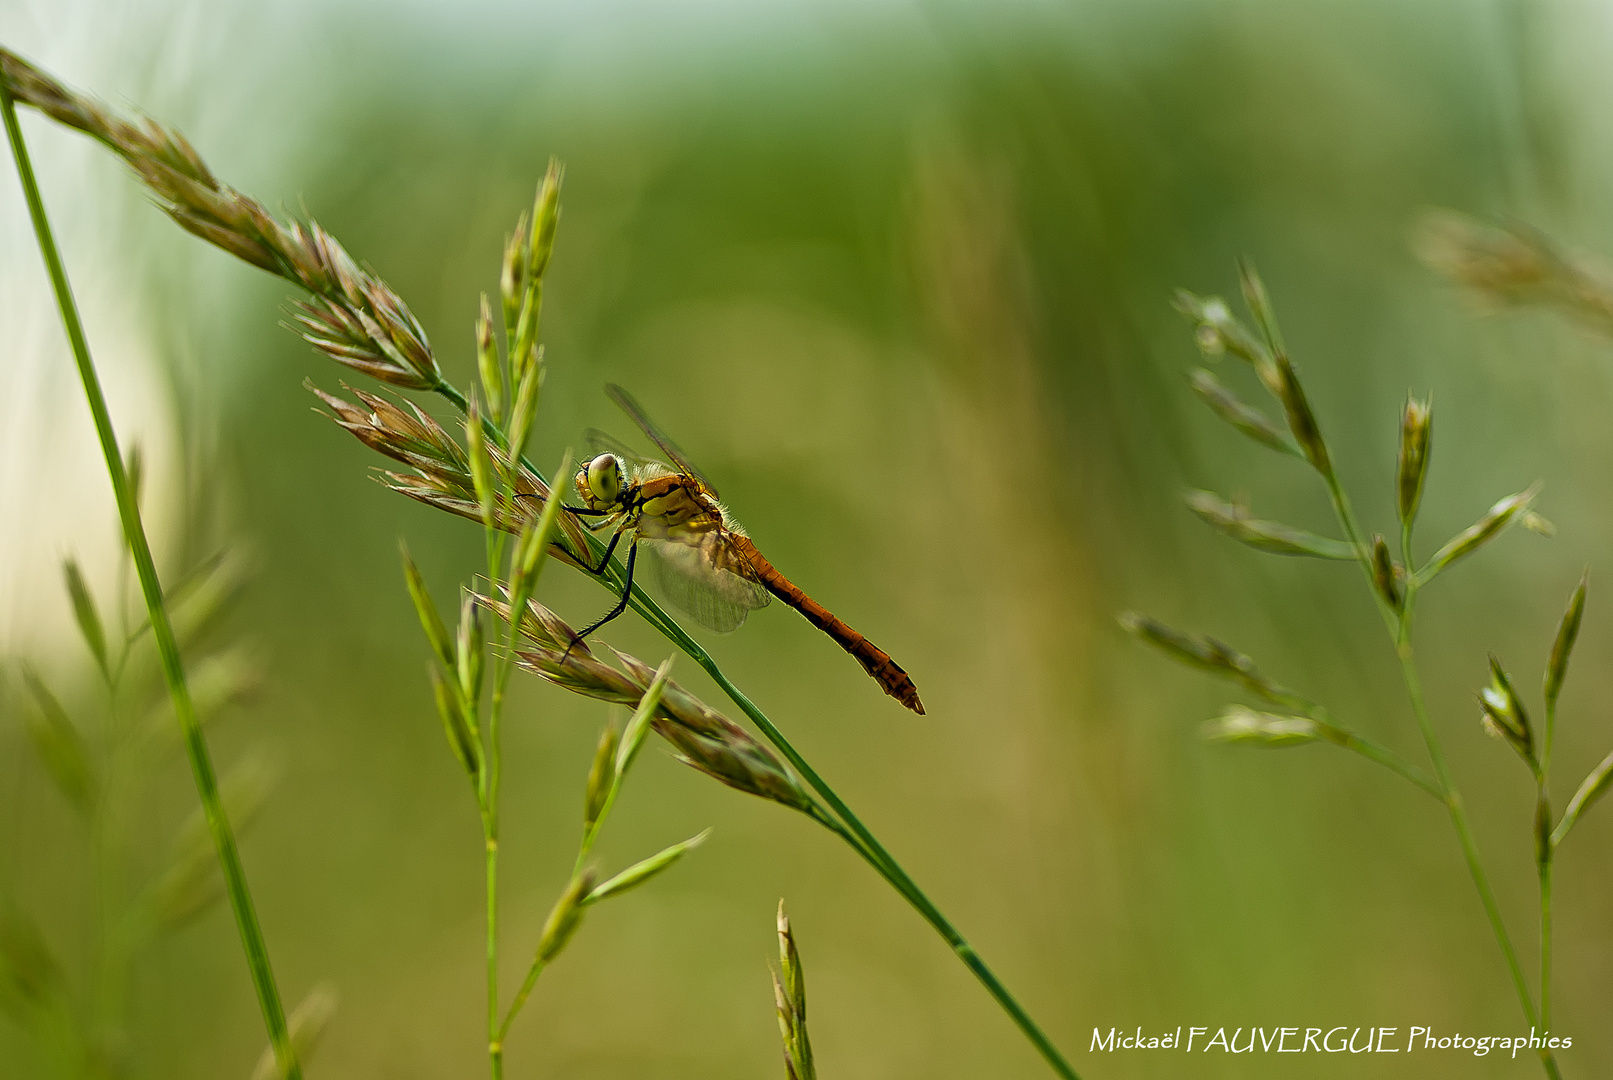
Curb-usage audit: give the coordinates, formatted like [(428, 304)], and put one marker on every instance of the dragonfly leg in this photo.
[(575, 511), (621, 605), (610, 549)]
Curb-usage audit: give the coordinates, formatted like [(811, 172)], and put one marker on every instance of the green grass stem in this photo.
[(201, 762)]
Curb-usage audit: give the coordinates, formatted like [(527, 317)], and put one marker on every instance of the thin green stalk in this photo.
[(1545, 943), (1399, 625), (1546, 853), (1386, 757), (490, 777), (218, 824), (1458, 813)]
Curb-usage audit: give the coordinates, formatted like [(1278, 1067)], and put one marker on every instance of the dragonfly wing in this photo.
[(700, 575), (632, 408), (603, 442)]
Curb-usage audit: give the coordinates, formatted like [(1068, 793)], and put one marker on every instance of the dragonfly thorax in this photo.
[(601, 482)]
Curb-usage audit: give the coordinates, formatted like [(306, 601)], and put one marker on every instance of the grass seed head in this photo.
[(1504, 714), (645, 869), (441, 475), (1481, 532), (1563, 646), (1229, 407), (601, 775), (1206, 653), (1386, 575), (1271, 536), (356, 319), (1240, 724), (455, 724), (703, 738), (1416, 433), (789, 999), (565, 916), (487, 362), (1301, 420)]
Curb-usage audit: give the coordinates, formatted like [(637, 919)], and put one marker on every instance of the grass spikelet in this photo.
[(704, 738), (789, 999), (1206, 653), (1244, 725), (1272, 536), (1481, 532), (1562, 647), (1416, 439)]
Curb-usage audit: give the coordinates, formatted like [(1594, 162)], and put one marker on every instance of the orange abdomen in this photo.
[(874, 660)]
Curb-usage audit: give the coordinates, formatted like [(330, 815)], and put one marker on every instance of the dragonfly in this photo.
[(701, 559)]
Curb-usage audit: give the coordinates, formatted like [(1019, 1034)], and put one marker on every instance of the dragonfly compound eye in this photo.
[(605, 478)]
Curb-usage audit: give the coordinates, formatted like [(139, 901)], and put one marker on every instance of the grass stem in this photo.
[(1399, 624), (240, 896)]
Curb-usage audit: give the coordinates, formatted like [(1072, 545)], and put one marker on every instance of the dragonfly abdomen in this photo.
[(887, 672)]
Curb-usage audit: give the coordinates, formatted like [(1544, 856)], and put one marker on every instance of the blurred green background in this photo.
[(897, 277)]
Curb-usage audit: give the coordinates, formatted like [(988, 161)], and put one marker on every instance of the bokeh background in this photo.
[(897, 275)]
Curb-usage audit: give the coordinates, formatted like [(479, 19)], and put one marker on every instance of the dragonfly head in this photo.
[(600, 482)]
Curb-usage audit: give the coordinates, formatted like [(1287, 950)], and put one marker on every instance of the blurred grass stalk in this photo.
[(162, 630), (1394, 587), (360, 322)]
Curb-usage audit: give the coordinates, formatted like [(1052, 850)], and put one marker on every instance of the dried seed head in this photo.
[(1504, 715), (1385, 574), (1516, 266), (703, 738), (1272, 536), (357, 319), (1208, 654), (1563, 646), (442, 476), (1481, 532), (1244, 725), (1416, 431)]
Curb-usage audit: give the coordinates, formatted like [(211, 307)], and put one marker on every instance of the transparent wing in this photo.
[(632, 408), (698, 575), (603, 442)]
